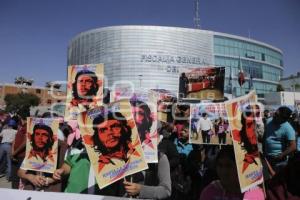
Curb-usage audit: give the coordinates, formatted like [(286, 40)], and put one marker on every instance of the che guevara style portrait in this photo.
[(145, 120), (111, 139), (202, 83), (85, 88), (41, 146), (242, 120)]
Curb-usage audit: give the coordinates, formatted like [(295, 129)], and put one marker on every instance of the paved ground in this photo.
[(4, 183)]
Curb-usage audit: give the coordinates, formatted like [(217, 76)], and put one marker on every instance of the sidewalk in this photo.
[(4, 183)]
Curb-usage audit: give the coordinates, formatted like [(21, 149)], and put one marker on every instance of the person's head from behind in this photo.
[(266, 113), (111, 133), (204, 115), (42, 138), (142, 117), (11, 123), (282, 115), (85, 85), (221, 120), (226, 169)]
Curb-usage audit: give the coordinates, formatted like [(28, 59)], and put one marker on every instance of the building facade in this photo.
[(47, 96), (291, 83), (291, 99), (151, 57)]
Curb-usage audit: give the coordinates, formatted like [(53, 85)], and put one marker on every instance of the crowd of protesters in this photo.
[(184, 170)]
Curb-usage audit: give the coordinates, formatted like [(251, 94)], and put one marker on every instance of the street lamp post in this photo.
[(140, 78), (294, 88)]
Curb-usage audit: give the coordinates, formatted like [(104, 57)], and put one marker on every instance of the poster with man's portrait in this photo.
[(242, 120), (41, 145), (144, 113), (209, 124), (112, 142), (84, 89), (204, 83)]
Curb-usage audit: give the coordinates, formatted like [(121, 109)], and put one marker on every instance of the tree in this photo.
[(279, 88), (297, 86), (20, 103), (20, 80), (50, 84)]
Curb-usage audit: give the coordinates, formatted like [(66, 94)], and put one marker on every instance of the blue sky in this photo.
[(34, 34)]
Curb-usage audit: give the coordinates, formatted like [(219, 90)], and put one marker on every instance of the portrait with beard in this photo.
[(41, 141), (112, 137), (142, 116), (85, 87)]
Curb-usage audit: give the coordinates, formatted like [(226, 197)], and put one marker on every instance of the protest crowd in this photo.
[(183, 169)]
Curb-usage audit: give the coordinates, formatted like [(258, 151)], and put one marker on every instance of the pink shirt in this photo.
[(215, 191)]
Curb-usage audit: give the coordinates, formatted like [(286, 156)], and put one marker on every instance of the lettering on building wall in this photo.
[(168, 59), (172, 69)]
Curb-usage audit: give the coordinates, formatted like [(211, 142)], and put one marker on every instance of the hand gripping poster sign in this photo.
[(204, 83), (84, 89), (112, 142), (209, 124), (41, 145), (241, 116)]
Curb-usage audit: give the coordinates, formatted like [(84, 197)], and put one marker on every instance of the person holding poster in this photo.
[(228, 187), (112, 143), (78, 170), (157, 181), (241, 117), (41, 155), (112, 137)]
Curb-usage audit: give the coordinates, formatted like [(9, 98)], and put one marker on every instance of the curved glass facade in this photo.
[(261, 61), (152, 56)]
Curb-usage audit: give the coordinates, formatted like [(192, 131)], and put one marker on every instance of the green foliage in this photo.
[(20, 103)]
